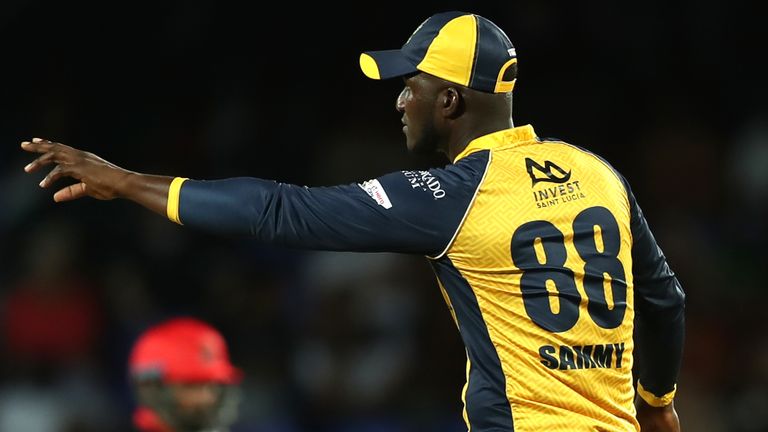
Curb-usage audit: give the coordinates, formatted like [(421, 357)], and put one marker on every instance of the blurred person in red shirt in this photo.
[(52, 316), (182, 378)]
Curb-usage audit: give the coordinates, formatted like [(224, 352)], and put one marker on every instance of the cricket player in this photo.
[(182, 378), (542, 253)]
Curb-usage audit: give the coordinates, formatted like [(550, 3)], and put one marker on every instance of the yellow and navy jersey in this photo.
[(543, 256)]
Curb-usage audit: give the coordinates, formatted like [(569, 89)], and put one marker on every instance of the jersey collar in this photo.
[(502, 138)]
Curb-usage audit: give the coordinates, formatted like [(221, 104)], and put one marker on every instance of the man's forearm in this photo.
[(660, 339)]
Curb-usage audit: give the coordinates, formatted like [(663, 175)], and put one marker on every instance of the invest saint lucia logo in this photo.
[(545, 173), (565, 188)]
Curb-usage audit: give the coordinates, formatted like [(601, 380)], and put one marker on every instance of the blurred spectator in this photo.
[(363, 343), (53, 316), (52, 322)]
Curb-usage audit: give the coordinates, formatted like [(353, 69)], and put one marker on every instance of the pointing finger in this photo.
[(39, 146)]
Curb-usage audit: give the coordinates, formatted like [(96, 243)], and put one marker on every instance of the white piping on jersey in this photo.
[(466, 213)]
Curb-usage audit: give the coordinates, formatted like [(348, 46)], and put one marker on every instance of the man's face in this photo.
[(196, 404), (417, 103), (188, 407)]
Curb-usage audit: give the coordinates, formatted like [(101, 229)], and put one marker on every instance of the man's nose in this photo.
[(204, 394), (400, 103)]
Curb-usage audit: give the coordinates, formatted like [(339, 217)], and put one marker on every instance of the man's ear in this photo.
[(451, 102)]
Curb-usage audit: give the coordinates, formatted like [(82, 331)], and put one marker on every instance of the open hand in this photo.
[(97, 178)]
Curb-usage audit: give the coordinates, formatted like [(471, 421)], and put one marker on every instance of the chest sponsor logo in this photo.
[(425, 181), (552, 185), (377, 192)]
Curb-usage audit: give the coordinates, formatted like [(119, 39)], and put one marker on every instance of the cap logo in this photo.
[(512, 52), (206, 353)]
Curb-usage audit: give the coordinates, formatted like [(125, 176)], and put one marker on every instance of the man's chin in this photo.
[(198, 422)]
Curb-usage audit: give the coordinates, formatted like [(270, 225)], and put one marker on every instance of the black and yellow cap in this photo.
[(459, 47)]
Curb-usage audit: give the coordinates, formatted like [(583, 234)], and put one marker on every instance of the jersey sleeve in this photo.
[(660, 318), (405, 211)]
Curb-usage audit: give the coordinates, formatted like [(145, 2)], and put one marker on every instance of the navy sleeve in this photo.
[(406, 211), (660, 307)]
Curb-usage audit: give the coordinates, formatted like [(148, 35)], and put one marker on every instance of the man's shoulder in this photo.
[(587, 153)]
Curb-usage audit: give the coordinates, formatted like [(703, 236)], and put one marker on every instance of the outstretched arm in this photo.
[(404, 211), (97, 178)]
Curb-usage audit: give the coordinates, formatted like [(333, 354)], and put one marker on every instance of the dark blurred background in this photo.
[(672, 93)]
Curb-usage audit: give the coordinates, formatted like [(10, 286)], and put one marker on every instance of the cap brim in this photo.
[(387, 64), (233, 376), (221, 373)]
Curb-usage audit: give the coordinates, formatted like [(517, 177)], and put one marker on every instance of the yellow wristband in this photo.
[(174, 192), (652, 399)]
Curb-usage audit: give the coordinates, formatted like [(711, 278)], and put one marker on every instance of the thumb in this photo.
[(70, 193)]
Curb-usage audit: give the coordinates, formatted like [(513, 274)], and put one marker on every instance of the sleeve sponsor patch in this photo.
[(377, 192)]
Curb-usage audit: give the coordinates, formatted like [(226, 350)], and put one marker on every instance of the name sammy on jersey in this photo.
[(582, 357)]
